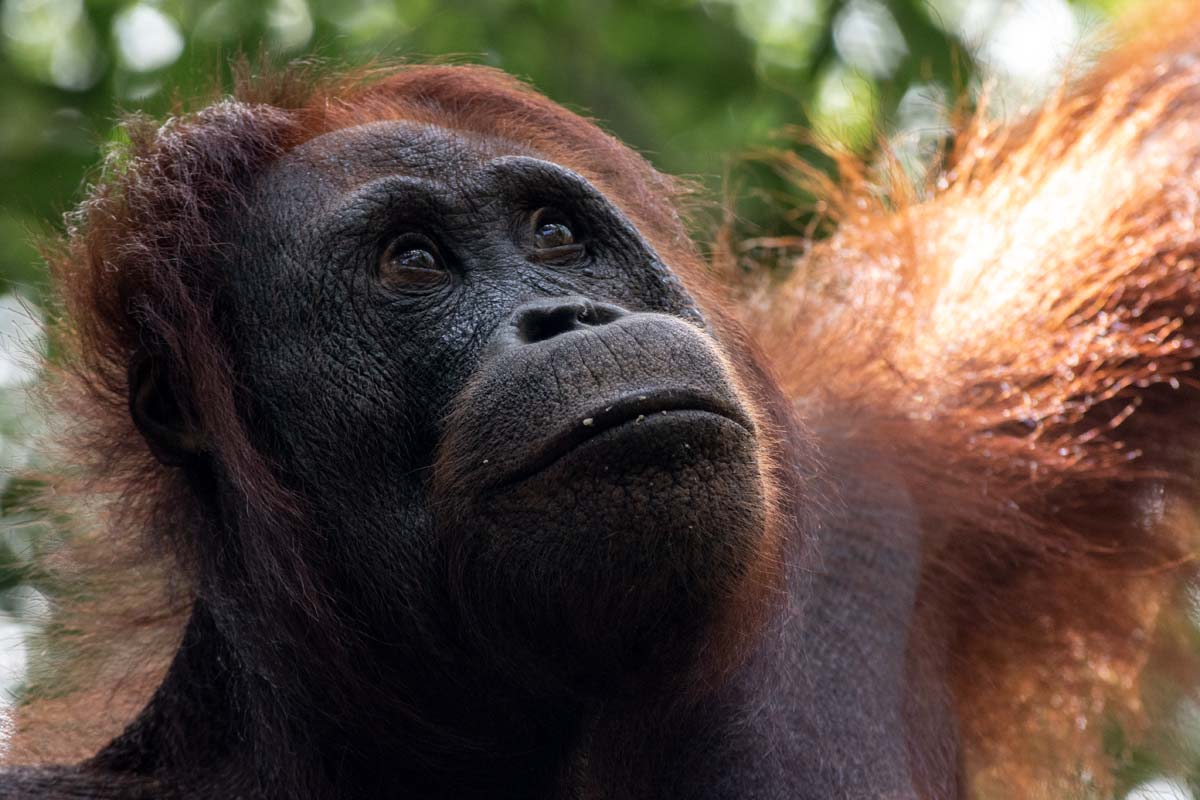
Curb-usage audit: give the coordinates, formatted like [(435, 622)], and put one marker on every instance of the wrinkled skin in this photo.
[(456, 394), (542, 494)]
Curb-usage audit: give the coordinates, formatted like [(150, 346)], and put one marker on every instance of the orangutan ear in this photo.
[(174, 437)]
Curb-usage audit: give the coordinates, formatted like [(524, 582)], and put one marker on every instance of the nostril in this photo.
[(539, 324), (544, 320)]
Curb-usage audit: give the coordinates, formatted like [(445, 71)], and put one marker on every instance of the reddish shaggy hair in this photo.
[(1024, 330), (1021, 333)]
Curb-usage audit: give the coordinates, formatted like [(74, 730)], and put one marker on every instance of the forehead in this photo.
[(349, 157)]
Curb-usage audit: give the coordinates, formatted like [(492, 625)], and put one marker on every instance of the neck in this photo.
[(823, 706), (845, 694)]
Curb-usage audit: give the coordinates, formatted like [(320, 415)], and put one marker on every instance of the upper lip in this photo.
[(626, 407)]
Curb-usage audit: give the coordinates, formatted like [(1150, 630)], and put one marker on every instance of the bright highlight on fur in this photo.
[(1025, 336), (1009, 351)]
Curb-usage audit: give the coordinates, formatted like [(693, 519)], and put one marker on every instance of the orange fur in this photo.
[(1022, 333), (1025, 335)]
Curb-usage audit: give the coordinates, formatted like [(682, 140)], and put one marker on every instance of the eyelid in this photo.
[(550, 215), (410, 240)]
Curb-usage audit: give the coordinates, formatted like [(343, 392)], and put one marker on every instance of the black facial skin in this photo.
[(486, 374)]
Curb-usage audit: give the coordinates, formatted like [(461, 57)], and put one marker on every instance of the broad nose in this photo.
[(541, 320)]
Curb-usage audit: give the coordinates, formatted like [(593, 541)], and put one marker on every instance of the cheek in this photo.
[(361, 409)]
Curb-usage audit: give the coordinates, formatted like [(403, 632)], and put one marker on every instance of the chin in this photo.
[(620, 552)]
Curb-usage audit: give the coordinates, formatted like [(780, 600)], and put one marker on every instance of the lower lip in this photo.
[(553, 454)]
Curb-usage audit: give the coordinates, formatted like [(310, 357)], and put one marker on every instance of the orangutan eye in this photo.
[(411, 258), (416, 258), (553, 234), (551, 230)]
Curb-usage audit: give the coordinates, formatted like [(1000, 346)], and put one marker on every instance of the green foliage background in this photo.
[(690, 83), (687, 82)]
